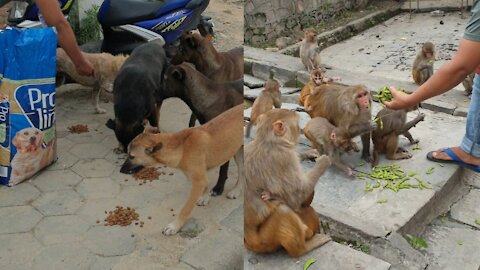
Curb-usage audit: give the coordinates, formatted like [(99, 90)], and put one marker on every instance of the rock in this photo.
[(283, 42)]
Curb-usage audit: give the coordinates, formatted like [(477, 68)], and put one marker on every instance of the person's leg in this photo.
[(469, 150)]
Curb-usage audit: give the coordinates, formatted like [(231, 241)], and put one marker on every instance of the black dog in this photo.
[(137, 92), (206, 98)]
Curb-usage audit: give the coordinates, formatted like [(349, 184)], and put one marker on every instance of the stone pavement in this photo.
[(55, 220)]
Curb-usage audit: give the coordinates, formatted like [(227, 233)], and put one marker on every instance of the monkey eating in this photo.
[(309, 50), (316, 79), (385, 137), (268, 98), (348, 107), (288, 220), (331, 141), (423, 64)]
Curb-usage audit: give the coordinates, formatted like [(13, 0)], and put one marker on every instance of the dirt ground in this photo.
[(228, 23)]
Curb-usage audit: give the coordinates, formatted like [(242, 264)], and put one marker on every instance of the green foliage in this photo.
[(90, 28), (308, 263), (416, 242)]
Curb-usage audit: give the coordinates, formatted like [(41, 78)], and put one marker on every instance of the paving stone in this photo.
[(452, 248), (180, 266), (471, 178), (97, 188), (17, 219), (231, 221), (64, 144), (65, 161), (331, 256), (110, 141), (89, 150), (93, 168), (61, 229), (110, 240), (93, 210), (17, 251), (460, 112), (62, 257), (105, 263), (56, 180), (254, 93), (226, 247), (88, 137), (467, 210), (438, 106), (141, 196), (58, 203), (252, 82), (21, 194)]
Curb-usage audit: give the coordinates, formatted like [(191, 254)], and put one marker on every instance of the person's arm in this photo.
[(54, 17), (448, 76)]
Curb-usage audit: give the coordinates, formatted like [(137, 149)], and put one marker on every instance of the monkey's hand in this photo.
[(266, 196), (373, 125), (421, 117)]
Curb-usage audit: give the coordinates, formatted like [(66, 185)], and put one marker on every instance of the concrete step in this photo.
[(428, 5), (467, 210), (452, 248), (252, 94), (331, 256), (252, 82), (354, 214)]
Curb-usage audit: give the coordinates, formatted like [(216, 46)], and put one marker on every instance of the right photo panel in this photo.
[(362, 134)]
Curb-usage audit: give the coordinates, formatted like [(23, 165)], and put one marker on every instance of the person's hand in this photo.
[(85, 68), (400, 100)]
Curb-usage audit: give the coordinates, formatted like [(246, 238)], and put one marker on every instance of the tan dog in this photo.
[(30, 156), (194, 151), (106, 69)]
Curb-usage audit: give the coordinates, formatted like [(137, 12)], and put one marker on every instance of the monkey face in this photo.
[(310, 35), (317, 77), (428, 50), (363, 100)]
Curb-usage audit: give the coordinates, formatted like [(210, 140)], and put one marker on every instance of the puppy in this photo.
[(218, 66), (194, 151), (106, 69), (207, 99), (136, 92), (30, 156)]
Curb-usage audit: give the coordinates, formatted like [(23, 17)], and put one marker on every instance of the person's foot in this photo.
[(462, 155)]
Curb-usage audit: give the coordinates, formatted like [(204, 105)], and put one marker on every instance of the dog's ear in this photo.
[(110, 124), (152, 150), (178, 73), (16, 141)]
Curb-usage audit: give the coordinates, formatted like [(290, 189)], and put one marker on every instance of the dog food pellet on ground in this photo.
[(78, 129), (122, 216), (147, 174)]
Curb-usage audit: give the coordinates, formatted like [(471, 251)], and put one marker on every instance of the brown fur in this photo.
[(270, 97), (340, 106), (468, 83), (423, 65), (316, 79), (106, 69), (309, 50), (331, 141), (385, 137), (193, 151), (289, 222)]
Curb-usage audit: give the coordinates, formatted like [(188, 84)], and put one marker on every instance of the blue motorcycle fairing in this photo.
[(170, 26), (119, 12)]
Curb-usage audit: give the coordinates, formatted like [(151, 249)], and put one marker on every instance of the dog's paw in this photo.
[(171, 229), (100, 111), (203, 201), (234, 193)]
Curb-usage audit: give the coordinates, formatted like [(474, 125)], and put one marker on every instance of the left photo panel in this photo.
[(121, 134)]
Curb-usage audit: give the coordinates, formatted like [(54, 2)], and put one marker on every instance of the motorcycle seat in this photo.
[(122, 12)]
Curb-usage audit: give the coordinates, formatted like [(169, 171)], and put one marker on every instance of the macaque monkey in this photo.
[(348, 107), (423, 64), (309, 50), (270, 97), (316, 79), (331, 141), (385, 137), (468, 83), (272, 164)]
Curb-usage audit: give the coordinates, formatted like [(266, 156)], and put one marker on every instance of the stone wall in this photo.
[(267, 20)]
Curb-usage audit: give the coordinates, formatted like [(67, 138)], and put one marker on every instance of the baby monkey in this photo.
[(270, 97), (385, 137), (423, 64), (331, 141), (316, 79)]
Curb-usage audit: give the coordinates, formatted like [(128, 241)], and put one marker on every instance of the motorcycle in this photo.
[(127, 24)]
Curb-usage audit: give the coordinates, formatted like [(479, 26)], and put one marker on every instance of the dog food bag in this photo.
[(27, 102)]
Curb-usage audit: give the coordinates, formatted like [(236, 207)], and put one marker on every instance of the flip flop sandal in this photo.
[(455, 159)]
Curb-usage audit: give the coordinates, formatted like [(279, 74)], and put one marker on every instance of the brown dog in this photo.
[(106, 69), (218, 66), (194, 151)]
